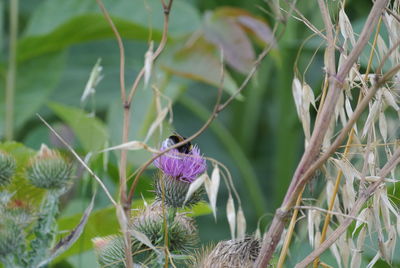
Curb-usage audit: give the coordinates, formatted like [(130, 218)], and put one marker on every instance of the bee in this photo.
[(176, 138)]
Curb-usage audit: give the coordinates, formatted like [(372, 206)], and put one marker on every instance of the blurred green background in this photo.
[(258, 137)]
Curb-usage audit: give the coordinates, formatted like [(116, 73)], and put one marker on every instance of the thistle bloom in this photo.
[(184, 167)]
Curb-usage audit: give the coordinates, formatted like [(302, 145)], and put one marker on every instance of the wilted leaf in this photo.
[(255, 26), (223, 32), (66, 242)]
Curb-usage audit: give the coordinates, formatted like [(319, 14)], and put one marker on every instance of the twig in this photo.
[(120, 47), (329, 212), (11, 71), (80, 160)]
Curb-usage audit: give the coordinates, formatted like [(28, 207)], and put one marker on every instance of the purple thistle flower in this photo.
[(184, 167)]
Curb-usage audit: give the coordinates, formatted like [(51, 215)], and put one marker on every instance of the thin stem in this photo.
[(160, 48), (289, 235), (11, 72), (120, 47)]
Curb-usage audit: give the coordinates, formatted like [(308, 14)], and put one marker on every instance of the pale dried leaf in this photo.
[(94, 78), (148, 64), (142, 238), (257, 234), (194, 186), (231, 215), (212, 189), (310, 227), (157, 122), (362, 217), (388, 204), (308, 95), (241, 224), (297, 95), (345, 27), (381, 46), (390, 100), (398, 225), (383, 126), (132, 145), (356, 259), (371, 117), (390, 244)]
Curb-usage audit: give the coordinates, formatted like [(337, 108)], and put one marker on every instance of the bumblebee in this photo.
[(176, 138)]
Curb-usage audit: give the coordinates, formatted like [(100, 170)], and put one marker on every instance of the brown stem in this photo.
[(299, 179)]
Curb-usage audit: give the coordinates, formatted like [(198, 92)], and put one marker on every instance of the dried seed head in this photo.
[(232, 253), (49, 170), (7, 168), (175, 192)]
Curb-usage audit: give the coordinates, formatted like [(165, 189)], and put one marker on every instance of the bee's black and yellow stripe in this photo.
[(176, 138)]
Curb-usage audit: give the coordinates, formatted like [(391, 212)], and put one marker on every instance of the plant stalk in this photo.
[(11, 71)]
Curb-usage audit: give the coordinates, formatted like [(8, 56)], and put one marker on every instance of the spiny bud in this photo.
[(7, 168), (11, 237), (110, 251), (49, 170), (18, 212), (231, 253), (182, 232), (175, 192)]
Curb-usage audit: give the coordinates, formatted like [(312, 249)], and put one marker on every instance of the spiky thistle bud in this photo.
[(49, 170), (182, 232), (19, 212), (7, 168), (175, 191), (11, 237), (232, 253), (179, 168), (110, 251)]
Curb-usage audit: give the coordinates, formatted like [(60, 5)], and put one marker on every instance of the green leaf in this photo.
[(198, 62), (90, 131), (200, 209), (101, 223), (35, 81), (57, 24), (23, 190)]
